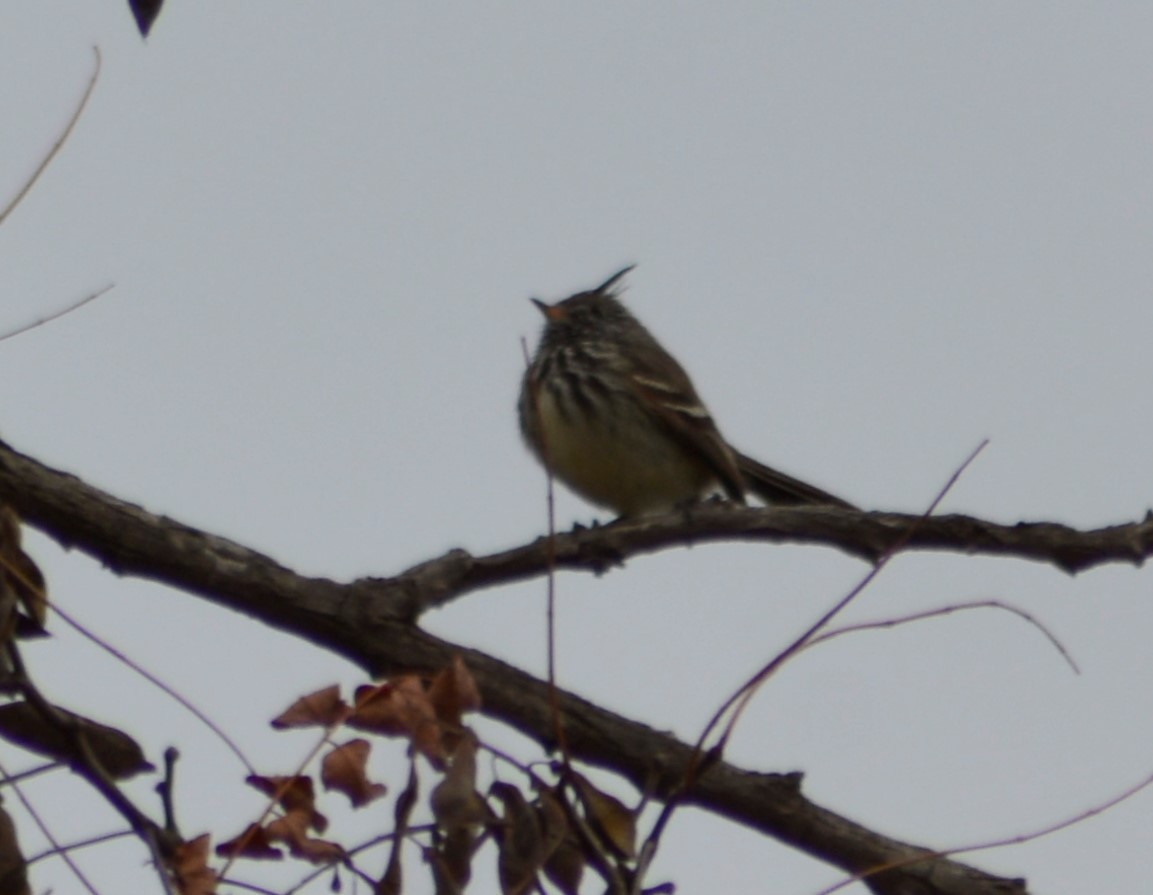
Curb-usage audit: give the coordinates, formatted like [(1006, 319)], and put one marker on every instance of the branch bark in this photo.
[(373, 622)]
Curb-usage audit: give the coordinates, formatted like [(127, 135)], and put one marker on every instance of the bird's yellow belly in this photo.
[(618, 462)]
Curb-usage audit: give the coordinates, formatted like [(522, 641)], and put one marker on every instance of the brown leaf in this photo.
[(442, 875), (520, 840), (13, 867), (28, 582), (564, 858), (252, 843), (459, 811), (455, 803), (10, 535), (293, 794), (380, 708), (190, 869), (609, 817), (454, 691), (553, 820), (292, 830), (27, 727), (320, 851), (392, 880), (456, 851), (400, 708), (345, 770), (20, 578), (323, 708), (406, 801), (565, 866)]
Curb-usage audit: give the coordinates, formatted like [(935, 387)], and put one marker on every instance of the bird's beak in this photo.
[(551, 312)]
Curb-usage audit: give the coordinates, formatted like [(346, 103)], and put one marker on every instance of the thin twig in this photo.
[(1080, 817), (47, 833), (550, 581), (88, 763), (76, 846), (159, 684), (58, 145), (274, 800), (949, 610), (55, 315), (742, 697), (166, 789), (21, 776), (607, 867)]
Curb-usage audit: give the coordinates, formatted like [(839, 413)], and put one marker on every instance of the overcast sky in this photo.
[(875, 233)]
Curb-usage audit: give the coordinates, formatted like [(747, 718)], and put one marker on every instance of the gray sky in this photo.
[(874, 233)]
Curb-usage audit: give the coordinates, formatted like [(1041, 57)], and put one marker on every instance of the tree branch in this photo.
[(372, 622)]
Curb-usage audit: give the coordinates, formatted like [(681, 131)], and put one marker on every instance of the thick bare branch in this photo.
[(372, 622), (865, 535)]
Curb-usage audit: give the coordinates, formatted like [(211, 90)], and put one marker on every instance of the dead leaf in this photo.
[(13, 867), (443, 880), (190, 869), (28, 583), (454, 691), (459, 811), (608, 816), (553, 820), (323, 708), (400, 707), (252, 843), (293, 794), (27, 727), (145, 13), (20, 578), (391, 882), (456, 851), (292, 830), (564, 858), (345, 770), (565, 866), (455, 802), (520, 839)]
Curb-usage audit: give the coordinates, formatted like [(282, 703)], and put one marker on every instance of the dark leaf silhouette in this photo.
[(145, 13), (13, 867), (27, 727)]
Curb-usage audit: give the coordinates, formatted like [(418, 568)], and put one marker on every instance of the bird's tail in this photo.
[(777, 488)]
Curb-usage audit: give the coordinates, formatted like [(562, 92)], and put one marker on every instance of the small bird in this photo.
[(612, 414)]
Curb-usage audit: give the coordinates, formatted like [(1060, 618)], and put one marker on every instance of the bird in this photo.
[(610, 413)]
